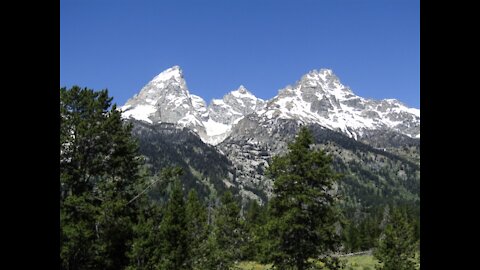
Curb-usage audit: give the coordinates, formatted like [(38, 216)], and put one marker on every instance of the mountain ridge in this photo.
[(318, 97)]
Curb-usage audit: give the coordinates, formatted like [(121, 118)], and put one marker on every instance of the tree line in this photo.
[(108, 220)]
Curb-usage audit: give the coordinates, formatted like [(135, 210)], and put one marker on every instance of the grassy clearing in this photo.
[(252, 266), (358, 262)]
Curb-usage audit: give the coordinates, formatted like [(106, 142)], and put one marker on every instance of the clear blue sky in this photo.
[(373, 46)]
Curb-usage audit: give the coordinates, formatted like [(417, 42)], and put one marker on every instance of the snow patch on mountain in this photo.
[(140, 112), (214, 128)]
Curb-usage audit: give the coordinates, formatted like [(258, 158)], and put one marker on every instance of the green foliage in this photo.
[(151, 247), (364, 226), (162, 183), (144, 253), (397, 247), (173, 232), (362, 230), (77, 238), (360, 262), (99, 173), (203, 165), (352, 238), (227, 236), (255, 219), (197, 231), (371, 176), (96, 148), (303, 213)]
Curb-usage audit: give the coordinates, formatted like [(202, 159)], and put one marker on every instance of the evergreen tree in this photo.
[(397, 246), (96, 147), (99, 170), (264, 234), (255, 219), (146, 251), (303, 213), (352, 238), (77, 236), (197, 231), (173, 232), (227, 235)]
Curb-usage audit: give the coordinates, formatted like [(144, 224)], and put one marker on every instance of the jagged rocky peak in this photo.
[(233, 106), (224, 113), (243, 100), (322, 88), (319, 97), (241, 93), (199, 104), (165, 98), (242, 90), (324, 81), (322, 75), (174, 73), (169, 82)]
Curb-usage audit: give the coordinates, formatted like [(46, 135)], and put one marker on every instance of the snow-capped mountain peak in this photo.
[(319, 97), (241, 92), (174, 72), (325, 79), (234, 105), (324, 74), (164, 99), (242, 89), (226, 112)]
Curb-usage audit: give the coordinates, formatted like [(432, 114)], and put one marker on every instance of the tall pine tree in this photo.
[(197, 231), (255, 219), (303, 213), (99, 169), (227, 236), (397, 246), (145, 253), (147, 246), (173, 232)]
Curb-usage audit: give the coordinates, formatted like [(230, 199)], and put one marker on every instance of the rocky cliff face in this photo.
[(370, 174)]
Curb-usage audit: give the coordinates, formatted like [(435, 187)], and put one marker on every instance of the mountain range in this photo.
[(375, 143)]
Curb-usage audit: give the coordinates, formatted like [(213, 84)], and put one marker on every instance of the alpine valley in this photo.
[(228, 144)]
